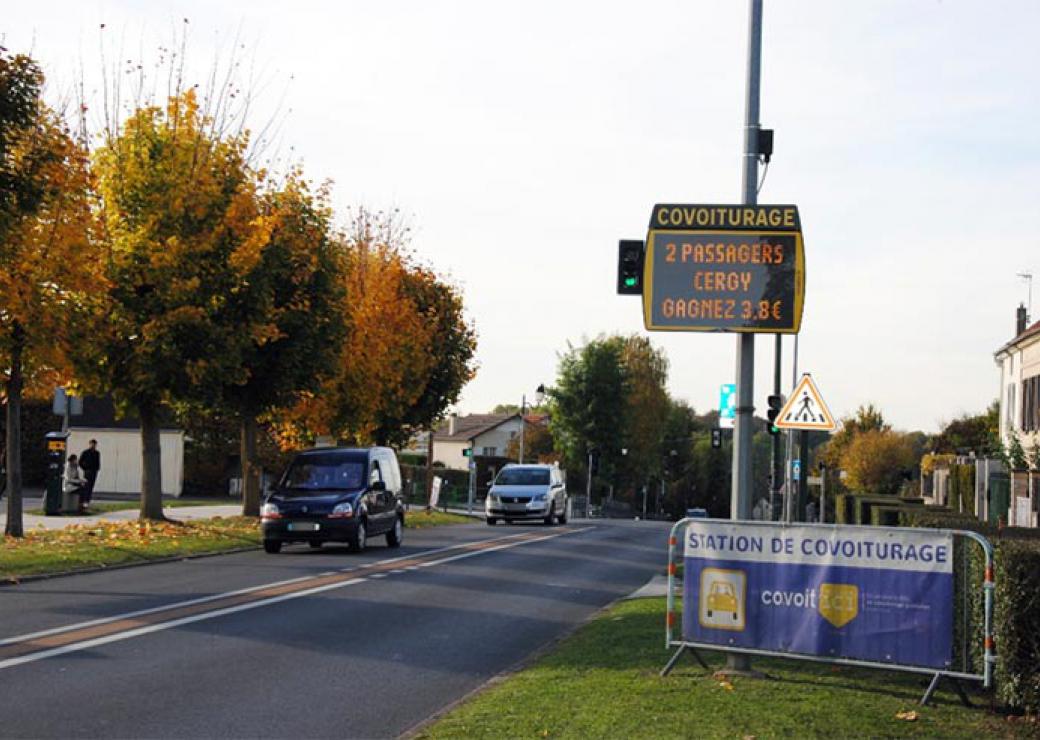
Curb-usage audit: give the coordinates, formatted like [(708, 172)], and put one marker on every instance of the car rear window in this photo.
[(523, 477), (324, 473)]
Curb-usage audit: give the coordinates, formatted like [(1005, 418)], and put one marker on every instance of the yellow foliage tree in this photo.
[(878, 460), (183, 224), (48, 262)]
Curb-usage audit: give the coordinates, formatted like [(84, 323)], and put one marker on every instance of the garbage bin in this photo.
[(54, 498)]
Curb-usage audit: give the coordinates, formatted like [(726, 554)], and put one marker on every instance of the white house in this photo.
[(1019, 362), (119, 442), (487, 435)]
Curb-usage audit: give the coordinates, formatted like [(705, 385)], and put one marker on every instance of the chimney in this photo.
[(453, 417), (1021, 319)]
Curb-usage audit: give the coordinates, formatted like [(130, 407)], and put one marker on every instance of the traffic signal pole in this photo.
[(740, 505)]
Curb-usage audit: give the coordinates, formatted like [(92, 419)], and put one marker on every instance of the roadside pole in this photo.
[(472, 482), (777, 479), (740, 506)]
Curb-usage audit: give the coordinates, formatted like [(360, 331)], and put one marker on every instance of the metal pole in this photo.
[(788, 493), (588, 484), (740, 504), (823, 495), (472, 480), (740, 500), (803, 475), (523, 408), (776, 484)]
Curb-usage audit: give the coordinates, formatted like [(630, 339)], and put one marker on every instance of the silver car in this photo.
[(527, 493)]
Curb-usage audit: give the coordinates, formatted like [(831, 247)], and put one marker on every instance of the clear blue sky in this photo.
[(525, 140)]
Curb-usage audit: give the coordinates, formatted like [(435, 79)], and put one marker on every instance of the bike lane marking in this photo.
[(28, 648)]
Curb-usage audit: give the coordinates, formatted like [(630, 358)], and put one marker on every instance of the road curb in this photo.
[(18, 580)]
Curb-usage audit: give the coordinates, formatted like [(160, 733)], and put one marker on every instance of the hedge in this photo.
[(1016, 613)]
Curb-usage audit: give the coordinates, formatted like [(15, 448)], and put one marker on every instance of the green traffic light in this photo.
[(630, 282)]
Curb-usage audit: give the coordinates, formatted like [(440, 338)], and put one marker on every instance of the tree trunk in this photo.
[(14, 526), (250, 470), (151, 465)]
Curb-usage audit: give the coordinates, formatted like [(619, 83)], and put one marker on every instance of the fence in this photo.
[(961, 639)]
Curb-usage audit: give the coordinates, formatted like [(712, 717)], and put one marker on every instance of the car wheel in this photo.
[(273, 546), (550, 518), (358, 539), (315, 545), (562, 518), (492, 521), (396, 534)]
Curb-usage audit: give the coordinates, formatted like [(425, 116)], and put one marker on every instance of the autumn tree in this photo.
[(878, 461), (291, 298), (979, 433), (47, 253), (647, 408), (182, 225), (866, 419), (408, 349)]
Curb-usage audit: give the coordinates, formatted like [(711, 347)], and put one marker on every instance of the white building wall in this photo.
[(450, 453), (498, 438), (121, 458)]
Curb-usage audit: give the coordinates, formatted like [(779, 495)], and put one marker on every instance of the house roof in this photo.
[(1029, 333), (471, 426)]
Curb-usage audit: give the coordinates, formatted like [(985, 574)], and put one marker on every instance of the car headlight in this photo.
[(270, 511), (538, 497), (342, 511)]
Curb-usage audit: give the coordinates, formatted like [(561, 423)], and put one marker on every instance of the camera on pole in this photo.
[(775, 403)]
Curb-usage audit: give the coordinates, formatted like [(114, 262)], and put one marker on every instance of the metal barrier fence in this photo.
[(988, 586)]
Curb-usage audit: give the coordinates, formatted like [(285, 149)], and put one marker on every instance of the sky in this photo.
[(522, 141)]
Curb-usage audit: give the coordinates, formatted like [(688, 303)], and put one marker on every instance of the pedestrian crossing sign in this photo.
[(805, 409)]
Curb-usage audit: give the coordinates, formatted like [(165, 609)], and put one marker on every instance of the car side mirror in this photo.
[(377, 486)]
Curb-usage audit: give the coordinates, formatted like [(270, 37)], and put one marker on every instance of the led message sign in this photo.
[(724, 268)]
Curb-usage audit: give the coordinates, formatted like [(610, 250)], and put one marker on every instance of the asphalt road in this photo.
[(312, 643)]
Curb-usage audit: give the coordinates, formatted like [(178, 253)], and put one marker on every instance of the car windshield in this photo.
[(324, 473), (523, 477)]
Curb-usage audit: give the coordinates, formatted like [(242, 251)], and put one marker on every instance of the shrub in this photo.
[(1016, 604)]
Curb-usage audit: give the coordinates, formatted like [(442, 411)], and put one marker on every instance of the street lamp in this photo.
[(539, 395)]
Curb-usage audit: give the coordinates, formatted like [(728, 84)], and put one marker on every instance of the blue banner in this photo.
[(883, 595)]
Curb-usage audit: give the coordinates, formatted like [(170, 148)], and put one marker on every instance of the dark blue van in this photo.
[(336, 494)]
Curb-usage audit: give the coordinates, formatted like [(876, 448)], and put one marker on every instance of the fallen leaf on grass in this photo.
[(726, 685), (907, 716)]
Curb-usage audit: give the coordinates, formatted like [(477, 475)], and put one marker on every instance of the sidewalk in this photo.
[(33, 499)]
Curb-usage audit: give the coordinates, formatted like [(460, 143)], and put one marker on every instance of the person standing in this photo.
[(90, 464)]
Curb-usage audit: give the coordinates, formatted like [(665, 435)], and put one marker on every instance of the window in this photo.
[(1031, 404), (375, 475), (523, 477), (489, 451), (1010, 407)]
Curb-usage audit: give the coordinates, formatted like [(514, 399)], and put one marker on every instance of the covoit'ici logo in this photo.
[(838, 603)]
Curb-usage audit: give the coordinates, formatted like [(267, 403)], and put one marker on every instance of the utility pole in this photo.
[(740, 505), (523, 410), (777, 480)]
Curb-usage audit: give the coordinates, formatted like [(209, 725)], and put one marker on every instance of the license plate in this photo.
[(304, 526)]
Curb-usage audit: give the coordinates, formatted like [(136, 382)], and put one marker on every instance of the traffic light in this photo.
[(716, 438), (630, 267), (775, 404)]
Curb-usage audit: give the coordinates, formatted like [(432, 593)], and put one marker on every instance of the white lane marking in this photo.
[(87, 644), (161, 626), (214, 597), (378, 575)]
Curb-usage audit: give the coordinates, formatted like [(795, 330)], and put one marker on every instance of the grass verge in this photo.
[(603, 682), (420, 518), (115, 543)]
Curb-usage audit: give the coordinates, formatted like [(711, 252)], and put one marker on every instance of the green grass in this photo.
[(419, 519), (97, 507), (114, 543), (602, 682)]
